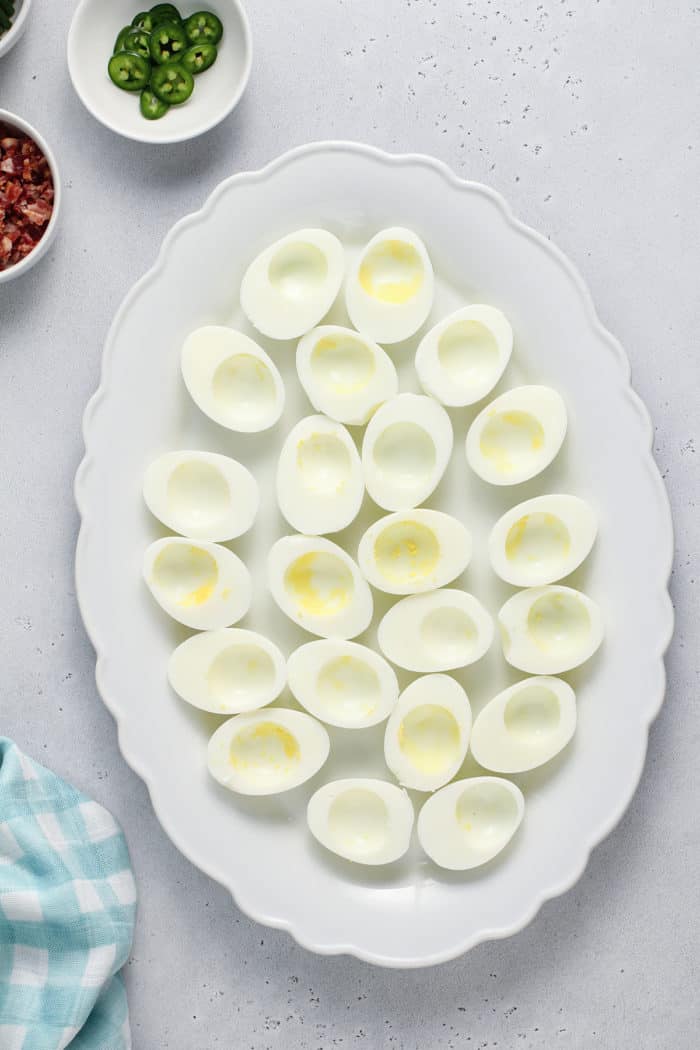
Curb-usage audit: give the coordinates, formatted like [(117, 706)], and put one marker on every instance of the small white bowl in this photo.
[(93, 31), (50, 232), (19, 24)]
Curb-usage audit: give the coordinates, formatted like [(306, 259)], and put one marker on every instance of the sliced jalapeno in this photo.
[(138, 42), (143, 20), (128, 71), (204, 28), (119, 42), (168, 12), (152, 107), (199, 57), (168, 42), (172, 83)]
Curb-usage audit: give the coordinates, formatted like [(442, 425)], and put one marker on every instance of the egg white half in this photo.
[(319, 587), (389, 291), (199, 584), (524, 726), (267, 752), (232, 380), (461, 359), (202, 495), (320, 485), (362, 820), (549, 630), (517, 435), (427, 734), (343, 683), (345, 375), (437, 631), (405, 451), (293, 283), (414, 551), (470, 822)]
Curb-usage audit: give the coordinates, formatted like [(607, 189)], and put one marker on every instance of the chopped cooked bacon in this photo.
[(26, 196)]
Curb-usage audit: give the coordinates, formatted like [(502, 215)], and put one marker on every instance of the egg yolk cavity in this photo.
[(348, 689), (298, 270), (429, 737), (532, 713), (559, 623), (244, 390), (512, 441), (319, 584), (407, 552), (324, 463), (241, 673), (405, 453), (185, 574), (468, 352), (538, 541), (448, 634), (486, 814), (265, 752), (198, 495), (392, 272), (342, 364), (358, 822)]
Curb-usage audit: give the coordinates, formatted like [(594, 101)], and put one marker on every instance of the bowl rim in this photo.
[(10, 38), (23, 126), (175, 137)]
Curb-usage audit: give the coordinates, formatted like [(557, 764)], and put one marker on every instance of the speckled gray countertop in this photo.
[(585, 114)]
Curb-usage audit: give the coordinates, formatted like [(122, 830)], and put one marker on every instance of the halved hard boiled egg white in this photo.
[(232, 380), (292, 285), (228, 671), (437, 631), (267, 752), (202, 495), (462, 358), (199, 584), (343, 683), (517, 435), (470, 822), (320, 486), (542, 540), (427, 734), (405, 451), (524, 726), (345, 375), (319, 587), (549, 630), (389, 291), (362, 820), (414, 551)]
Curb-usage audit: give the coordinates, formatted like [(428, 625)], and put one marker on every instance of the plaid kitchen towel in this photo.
[(67, 907)]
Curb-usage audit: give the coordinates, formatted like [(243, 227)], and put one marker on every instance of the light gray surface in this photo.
[(585, 115)]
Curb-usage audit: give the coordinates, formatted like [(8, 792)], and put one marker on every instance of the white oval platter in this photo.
[(411, 913)]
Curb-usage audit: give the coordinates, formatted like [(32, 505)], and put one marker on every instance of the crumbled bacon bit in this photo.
[(26, 196)]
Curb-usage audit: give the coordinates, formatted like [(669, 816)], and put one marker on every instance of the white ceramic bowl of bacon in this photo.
[(29, 227)]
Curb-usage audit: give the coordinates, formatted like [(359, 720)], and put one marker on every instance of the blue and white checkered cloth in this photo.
[(67, 908)]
